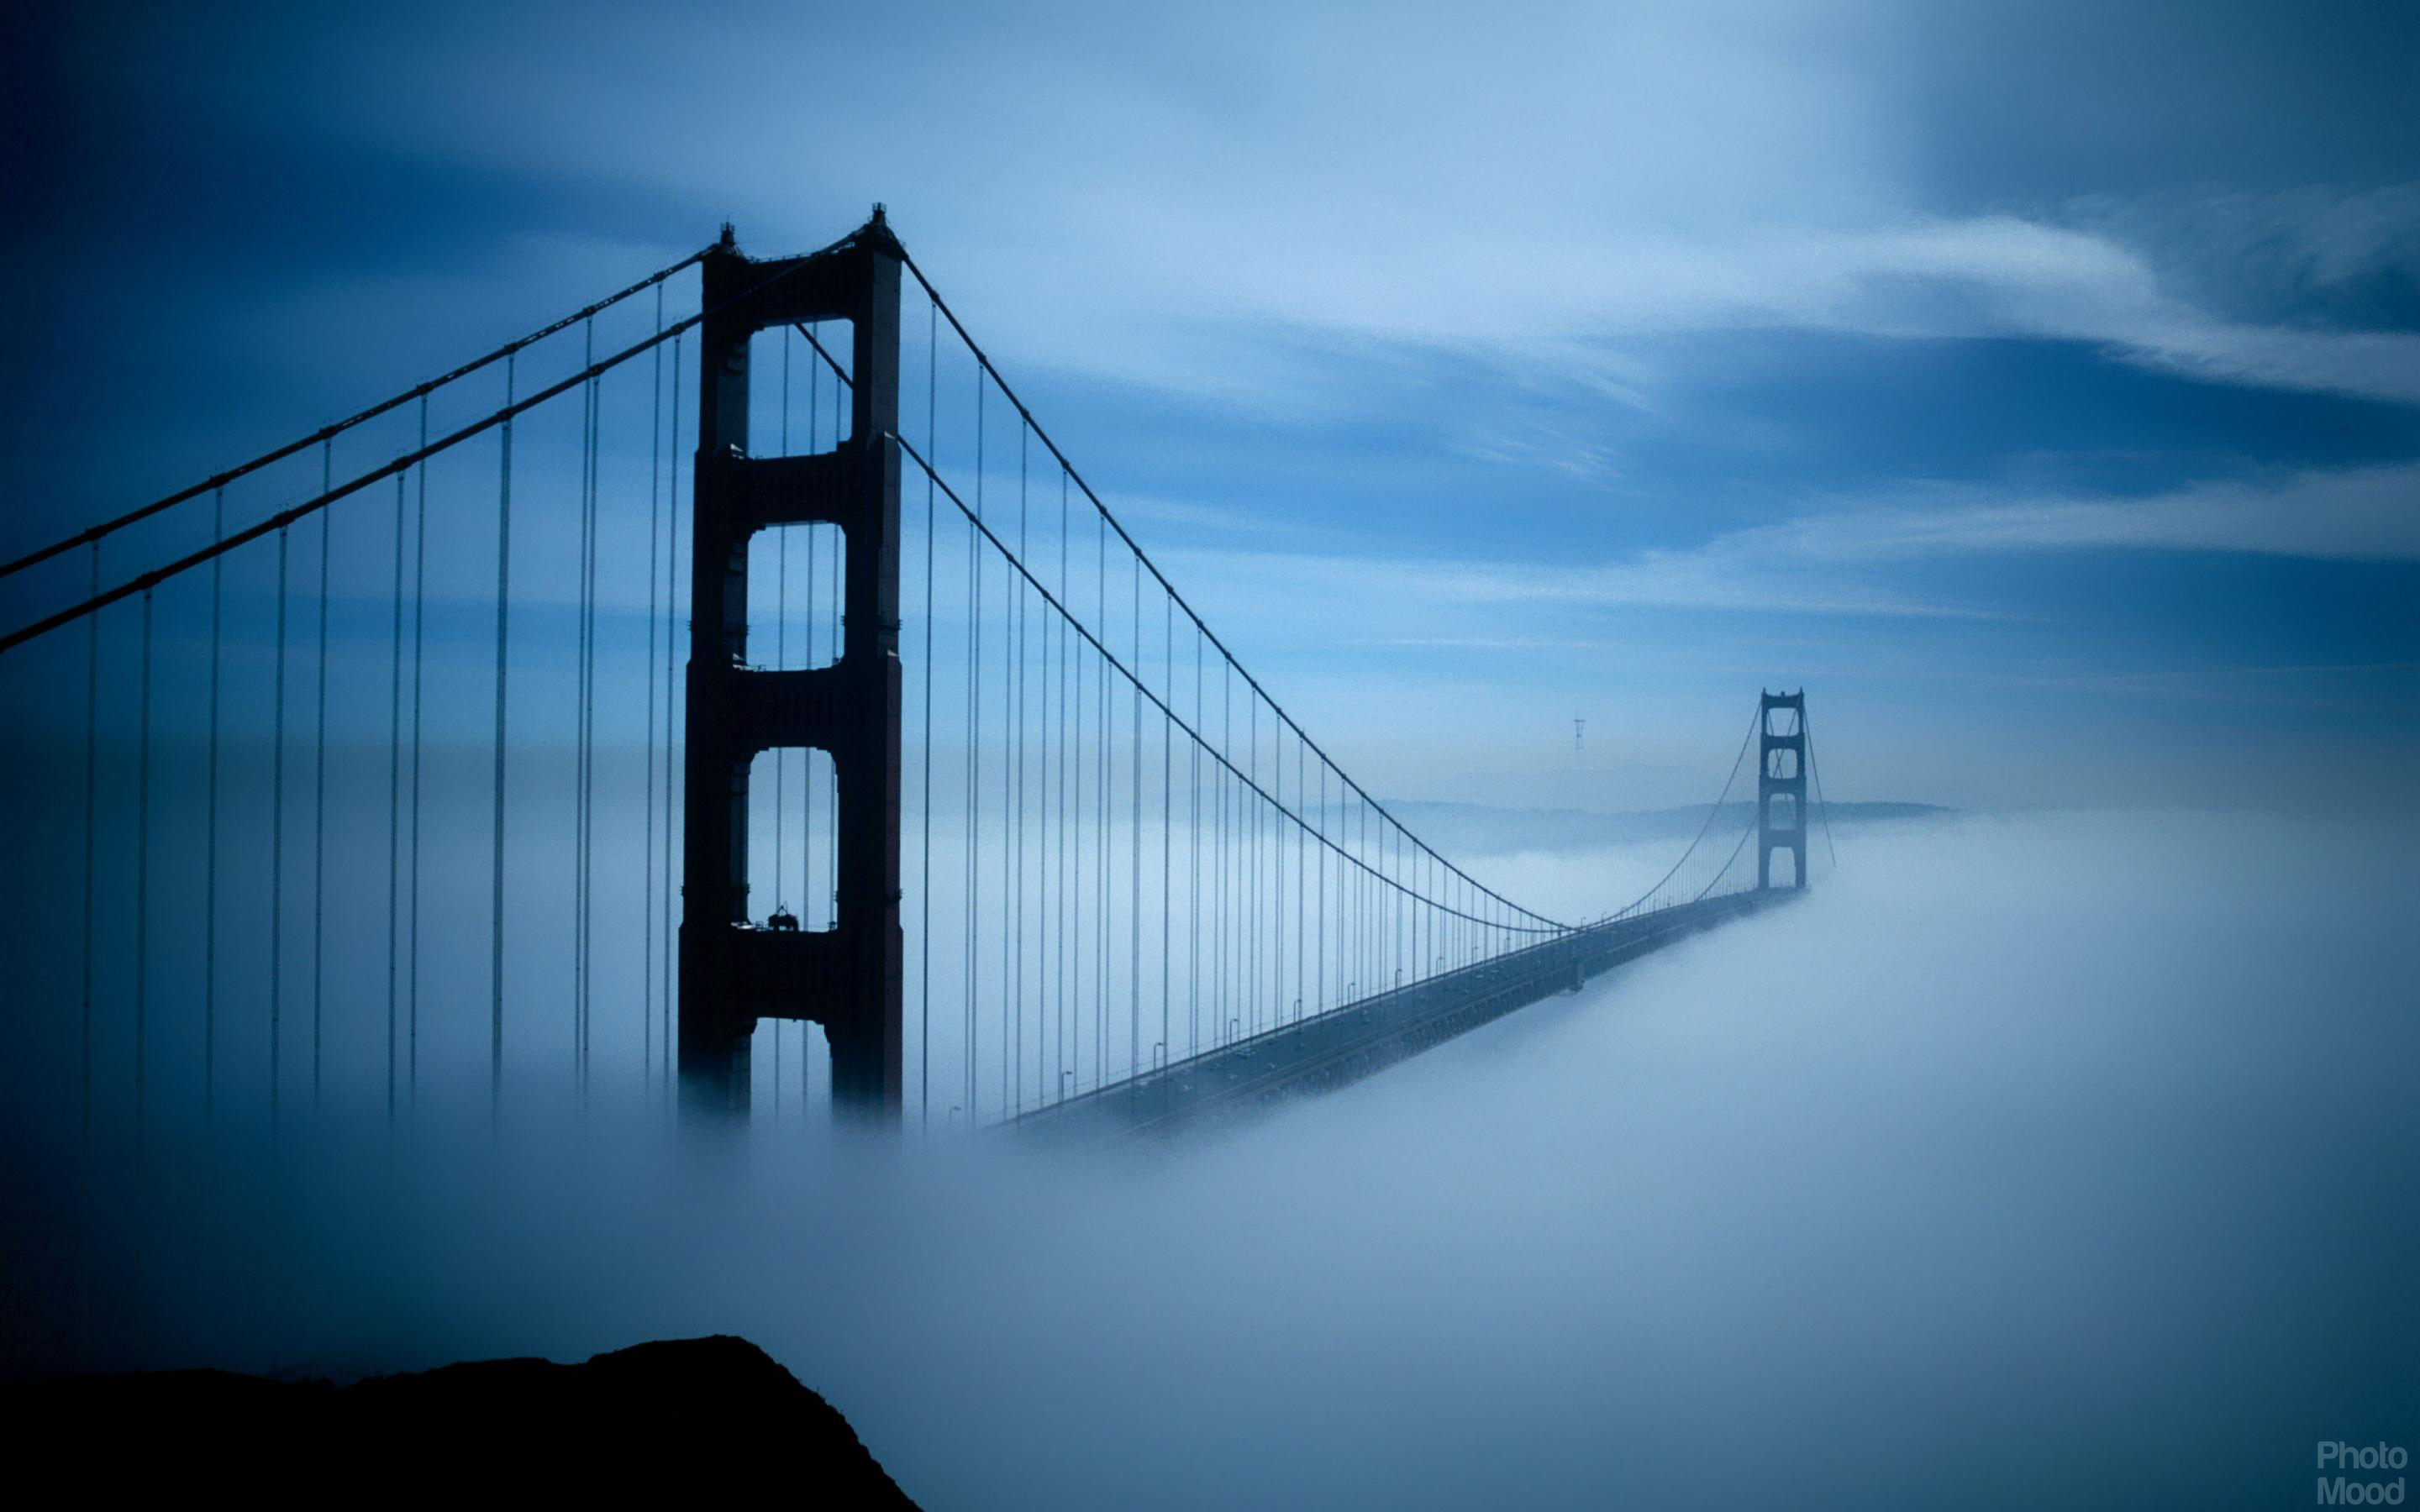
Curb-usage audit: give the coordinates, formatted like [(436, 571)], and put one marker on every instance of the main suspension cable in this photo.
[(1027, 415), (328, 432), (102, 598), (1711, 815), (1112, 662)]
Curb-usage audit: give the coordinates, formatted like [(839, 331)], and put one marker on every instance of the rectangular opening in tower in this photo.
[(790, 1067), (1781, 763), (1781, 810), (1781, 719), (793, 830), (799, 388), (1782, 870), (796, 579)]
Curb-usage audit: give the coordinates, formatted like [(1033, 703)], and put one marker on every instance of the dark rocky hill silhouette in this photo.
[(711, 1415)]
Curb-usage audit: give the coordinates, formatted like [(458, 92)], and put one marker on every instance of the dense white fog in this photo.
[(2027, 1162)]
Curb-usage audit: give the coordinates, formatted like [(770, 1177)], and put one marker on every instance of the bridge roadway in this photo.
[(1347, 1043)]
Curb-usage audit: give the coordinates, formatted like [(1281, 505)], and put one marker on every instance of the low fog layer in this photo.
[(2024, 1163)]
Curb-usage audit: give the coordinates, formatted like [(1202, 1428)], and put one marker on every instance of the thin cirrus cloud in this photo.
[(2365, 513), (1522, 188), (1825, 563)]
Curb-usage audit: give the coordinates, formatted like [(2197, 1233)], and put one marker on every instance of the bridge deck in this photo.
[(1347, 1043)]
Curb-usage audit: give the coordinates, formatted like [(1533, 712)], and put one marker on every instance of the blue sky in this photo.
[(2038, 385)]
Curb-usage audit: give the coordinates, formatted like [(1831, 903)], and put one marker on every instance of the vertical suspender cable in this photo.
[(210, 831), (924, 942), (1815, 775), (277, 847), (831, 893), (1007, 823), (419, 641), (1062, 927), (1018, 601), (806, 773), (496, 806), (648, 783), (394, 799), (1193, 869), (974, 765), (91, 789), (320, 790), (584, 871), (1134, 822), (1101, 831), (143, 882), (1073, 668), (1167, 809), (1226, 746), (782, 659), (579, 727), (672, 683)]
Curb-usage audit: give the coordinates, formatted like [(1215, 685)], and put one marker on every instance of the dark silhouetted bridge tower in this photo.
[(845, 977), (1782, 785)]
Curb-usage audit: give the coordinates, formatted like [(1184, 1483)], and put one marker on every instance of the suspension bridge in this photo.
[(728, 694)]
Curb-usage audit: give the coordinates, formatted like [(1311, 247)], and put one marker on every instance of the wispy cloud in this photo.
[(1135, 196), (2361, 514)]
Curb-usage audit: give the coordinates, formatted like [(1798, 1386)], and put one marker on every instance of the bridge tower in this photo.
[(732, 974), (1782, 785)]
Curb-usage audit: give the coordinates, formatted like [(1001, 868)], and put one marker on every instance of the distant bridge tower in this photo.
[(732, 975), (1782, 785)]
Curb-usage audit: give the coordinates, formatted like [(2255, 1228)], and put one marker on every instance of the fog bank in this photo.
[(2060, 1159)]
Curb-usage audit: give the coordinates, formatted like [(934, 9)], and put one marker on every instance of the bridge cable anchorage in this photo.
[(1112, 522), (102, 598), (1112, 662), (328, 432)]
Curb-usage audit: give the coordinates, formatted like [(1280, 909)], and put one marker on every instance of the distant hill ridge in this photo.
[(1488, 829)]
